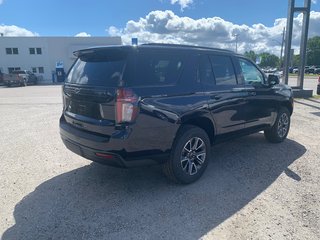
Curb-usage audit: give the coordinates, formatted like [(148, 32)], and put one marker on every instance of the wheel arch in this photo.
[(204, 123), (288, 106)]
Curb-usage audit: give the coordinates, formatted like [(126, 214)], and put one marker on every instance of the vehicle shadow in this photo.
[(99, 202), (308, 104)]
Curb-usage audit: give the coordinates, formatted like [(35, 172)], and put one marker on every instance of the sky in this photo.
[(213, 23)]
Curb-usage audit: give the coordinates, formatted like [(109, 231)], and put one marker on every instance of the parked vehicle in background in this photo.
[(1, 77), (27, 76), (19, 78), (317, 70), (160, 103), (295, 70), (12, 80)]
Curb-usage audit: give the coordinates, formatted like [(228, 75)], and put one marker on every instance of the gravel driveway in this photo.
[(251, 190)]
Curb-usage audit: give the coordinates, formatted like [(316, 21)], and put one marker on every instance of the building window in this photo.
[(11, 69), (32, 51), (34, 70), (41, 69), (11, 51)]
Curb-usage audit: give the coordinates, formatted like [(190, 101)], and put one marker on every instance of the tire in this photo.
[(189, 155), (280, 129)]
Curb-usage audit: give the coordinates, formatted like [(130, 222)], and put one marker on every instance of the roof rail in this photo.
[(184, 45)]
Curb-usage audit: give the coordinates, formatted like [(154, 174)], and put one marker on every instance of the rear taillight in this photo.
[(126, 105)]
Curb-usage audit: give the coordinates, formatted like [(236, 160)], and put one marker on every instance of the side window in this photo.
[(205, 74), (250, 73), (223, 70), (154, 69)]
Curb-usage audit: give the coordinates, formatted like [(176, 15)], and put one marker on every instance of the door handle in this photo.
[(252, 93), (215, 97)]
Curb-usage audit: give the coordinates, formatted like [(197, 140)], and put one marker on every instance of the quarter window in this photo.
[(250, 73), (158, 69), (223, 70)]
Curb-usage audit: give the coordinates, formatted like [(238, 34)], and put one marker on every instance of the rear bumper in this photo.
[(110, 150)]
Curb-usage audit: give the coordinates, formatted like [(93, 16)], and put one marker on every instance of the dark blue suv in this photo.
[(157, 103)]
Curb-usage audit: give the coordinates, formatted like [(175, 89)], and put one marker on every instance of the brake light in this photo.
[(104, 155), (126, 105)]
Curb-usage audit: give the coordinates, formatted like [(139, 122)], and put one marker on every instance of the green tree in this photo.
[(296, 60), (251, 55), (269, 60), (313, 51)]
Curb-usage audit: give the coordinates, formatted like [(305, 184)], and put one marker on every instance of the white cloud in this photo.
[(314, 1), (83, 34), (183, 3), (1, 1), (167, 27), (15, 31)]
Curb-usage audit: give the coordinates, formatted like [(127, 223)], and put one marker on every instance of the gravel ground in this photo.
[(251, 190)]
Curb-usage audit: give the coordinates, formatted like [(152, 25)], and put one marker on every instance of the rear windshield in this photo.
[(103, 68)]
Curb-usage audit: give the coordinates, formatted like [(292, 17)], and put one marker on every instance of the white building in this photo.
[(42, 54)]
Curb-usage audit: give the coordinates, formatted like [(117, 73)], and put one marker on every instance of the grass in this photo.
[(306, 75)]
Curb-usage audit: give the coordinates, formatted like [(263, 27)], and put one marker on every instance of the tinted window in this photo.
[(223, 70), (156, 69), (103, 68), (205, 71), (250, 73)]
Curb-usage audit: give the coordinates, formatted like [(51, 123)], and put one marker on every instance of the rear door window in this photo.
[(205, 73), (100, 68), (223, 70), (157, 69)]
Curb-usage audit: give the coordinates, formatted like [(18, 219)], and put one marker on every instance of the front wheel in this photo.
[(190, 155), (280, 129)]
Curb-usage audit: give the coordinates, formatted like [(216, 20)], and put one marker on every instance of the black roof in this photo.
[(153, 45), (184, 46)]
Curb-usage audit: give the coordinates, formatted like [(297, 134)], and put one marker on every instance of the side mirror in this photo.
[(273, 80)]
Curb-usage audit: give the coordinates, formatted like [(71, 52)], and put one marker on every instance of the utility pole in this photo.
[(236, 35), (282, 44)]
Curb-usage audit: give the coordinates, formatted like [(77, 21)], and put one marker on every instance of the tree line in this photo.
[(271, 60)]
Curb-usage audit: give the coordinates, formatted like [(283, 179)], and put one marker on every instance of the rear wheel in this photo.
[(189, 156), (280, 128)]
